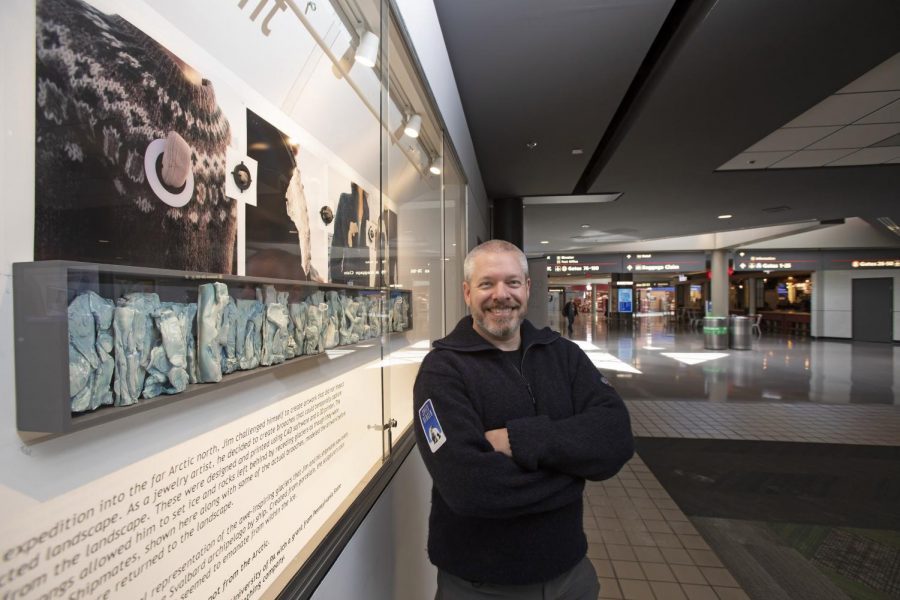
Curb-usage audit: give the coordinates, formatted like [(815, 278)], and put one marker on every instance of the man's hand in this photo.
[(499, 439)]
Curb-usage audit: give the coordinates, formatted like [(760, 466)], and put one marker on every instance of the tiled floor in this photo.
[(643, 547), (841, 424), (785, 389)]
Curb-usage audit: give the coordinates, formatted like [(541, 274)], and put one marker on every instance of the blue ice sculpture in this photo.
[(211, 302), (298, 312), (248, 333), (167, 372), (334, 314), (135, 336), (275, 329), (91, 364), (229, 337)]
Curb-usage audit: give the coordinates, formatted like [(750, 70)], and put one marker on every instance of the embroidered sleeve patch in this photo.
[(431, 426)]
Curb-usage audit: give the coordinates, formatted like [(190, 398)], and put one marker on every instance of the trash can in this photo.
[(739, 333), (715, 333)]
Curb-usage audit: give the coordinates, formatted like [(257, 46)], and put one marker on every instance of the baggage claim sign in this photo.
[(599, 264)]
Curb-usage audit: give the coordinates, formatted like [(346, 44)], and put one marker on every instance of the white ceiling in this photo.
[(858, 125)]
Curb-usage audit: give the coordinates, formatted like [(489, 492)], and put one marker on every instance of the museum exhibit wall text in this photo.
[(244, 146)]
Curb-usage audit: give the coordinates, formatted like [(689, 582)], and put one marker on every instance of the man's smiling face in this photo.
[(497, 295)]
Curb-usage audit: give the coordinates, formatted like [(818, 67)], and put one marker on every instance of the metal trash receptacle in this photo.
[(715, 333), (739, 332)]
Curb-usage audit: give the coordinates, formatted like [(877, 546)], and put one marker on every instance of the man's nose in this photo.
[(501, 290)]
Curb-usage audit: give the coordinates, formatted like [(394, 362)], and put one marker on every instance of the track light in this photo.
[(367, 51), (413, 126), (437, 165)]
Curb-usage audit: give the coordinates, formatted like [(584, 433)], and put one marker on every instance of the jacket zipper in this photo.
[(525, 379)]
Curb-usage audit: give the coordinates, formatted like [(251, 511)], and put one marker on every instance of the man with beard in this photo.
[(525, 419)]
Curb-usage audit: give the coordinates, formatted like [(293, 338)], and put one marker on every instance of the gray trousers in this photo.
[(578, 583)]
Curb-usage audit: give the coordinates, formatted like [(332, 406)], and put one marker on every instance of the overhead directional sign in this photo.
[(665, 262), (836, 260), (862, 259), (584, 264), (777, 260)]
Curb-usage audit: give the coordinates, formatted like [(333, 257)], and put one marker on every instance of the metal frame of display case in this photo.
[(42, 291)]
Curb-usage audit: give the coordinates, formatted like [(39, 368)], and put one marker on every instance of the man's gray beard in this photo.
[(501, 332)]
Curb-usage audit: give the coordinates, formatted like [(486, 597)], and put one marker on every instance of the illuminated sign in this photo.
[(875, 264), (776, 260), (860, 260), (665, 262), (788, 260), (584, 264), (625, 303)]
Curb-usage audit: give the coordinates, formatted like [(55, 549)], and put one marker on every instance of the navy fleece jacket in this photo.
[(502, 520)]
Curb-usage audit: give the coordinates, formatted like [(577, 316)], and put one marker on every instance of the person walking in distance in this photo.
[(512, 421), (569, 310)]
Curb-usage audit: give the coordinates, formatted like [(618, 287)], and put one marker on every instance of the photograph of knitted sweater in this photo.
[(278, 240), (105, 91), (349, 262)]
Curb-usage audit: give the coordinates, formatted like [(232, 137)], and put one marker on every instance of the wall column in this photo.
[(718, 284), (751, 298), (817, 306), (538, 312), (508, 221)]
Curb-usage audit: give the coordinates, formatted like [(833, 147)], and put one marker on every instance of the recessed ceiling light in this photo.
[(724, 216), (531, 145), (577, 151), (585, 226), (545, 241)]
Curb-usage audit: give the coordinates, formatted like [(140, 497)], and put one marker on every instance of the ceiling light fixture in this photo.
[(413, 126), (545, 241), (572, 199), (585, 226), (889, 224), (725, 216), (437, 165), (367, 51), (577, 151), (531, 145)]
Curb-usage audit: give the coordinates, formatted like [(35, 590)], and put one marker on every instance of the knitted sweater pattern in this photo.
[(105, 90), (515, 521)]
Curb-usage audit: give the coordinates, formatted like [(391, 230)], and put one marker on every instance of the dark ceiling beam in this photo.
[(682, 20)]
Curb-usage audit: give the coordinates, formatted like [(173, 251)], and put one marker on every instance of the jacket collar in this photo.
[(464, 338)]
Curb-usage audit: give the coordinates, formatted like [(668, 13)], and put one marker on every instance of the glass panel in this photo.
[(268, 129), (411, 205), (454, 238)]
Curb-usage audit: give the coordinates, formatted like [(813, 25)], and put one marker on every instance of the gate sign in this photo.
[(776, 260), (583, 264), (664, 262), (861, 260)]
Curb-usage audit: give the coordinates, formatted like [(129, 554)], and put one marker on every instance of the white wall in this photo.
[(834, 311), (385, 559)]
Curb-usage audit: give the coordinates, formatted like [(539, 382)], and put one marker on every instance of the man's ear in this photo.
[(467, 292)]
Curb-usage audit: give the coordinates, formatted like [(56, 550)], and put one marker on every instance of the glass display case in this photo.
[(243, 227), (99, 342)]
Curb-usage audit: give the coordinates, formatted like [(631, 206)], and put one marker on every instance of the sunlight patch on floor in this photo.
[(694, 358)]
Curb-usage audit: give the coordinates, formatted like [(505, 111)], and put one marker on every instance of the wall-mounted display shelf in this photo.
[(98, 342)]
